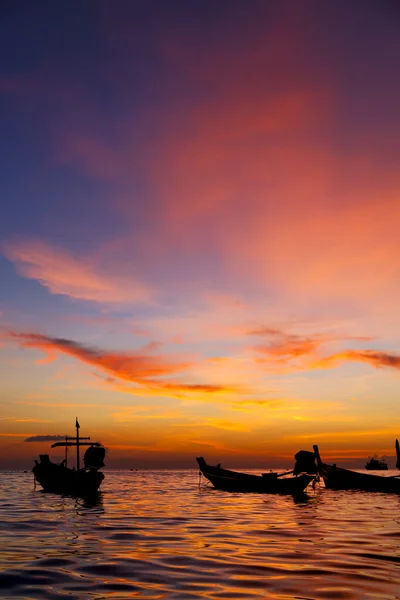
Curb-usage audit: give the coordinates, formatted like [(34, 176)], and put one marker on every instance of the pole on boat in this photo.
[(317, 456), (77, 444), (397, 454), (66, 452)]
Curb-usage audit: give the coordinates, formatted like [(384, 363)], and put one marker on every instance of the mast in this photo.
[(77, 443)]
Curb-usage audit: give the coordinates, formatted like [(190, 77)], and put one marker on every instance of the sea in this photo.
[(167, 535)]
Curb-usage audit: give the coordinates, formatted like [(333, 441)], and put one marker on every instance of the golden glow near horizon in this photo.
[(203, 256)]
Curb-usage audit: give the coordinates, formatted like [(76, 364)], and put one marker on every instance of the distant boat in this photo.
[(267, 483), (60, 479), (376, 464), (343, 479)]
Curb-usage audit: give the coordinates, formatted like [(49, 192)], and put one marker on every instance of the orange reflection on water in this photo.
[(157, 534)]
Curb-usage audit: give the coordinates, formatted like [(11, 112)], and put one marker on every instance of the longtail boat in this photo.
[(267, 483), (60, 479), (343, 479)]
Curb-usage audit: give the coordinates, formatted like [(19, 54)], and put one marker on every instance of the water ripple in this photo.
[(156, 535)]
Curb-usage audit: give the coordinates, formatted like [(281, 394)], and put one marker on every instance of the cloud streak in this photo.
[(304, 352), (292, 344), (45, 438), (62, 273), (135, 367), (139, 368), (372, 357)]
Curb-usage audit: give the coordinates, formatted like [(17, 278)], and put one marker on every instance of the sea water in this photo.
[(157, 534)]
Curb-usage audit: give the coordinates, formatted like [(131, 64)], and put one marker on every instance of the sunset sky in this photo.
[(200, 229)]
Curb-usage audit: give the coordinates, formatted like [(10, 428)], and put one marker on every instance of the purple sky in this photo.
[(199, 248)]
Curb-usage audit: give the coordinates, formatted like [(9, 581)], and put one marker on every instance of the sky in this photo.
[(199, 229)]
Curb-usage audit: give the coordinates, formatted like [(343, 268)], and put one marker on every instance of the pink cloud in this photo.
[(62, 273), (246, 176)]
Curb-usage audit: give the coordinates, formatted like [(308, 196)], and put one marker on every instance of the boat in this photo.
[(376, 464), (336, 478), (60, 479), (266, 483)]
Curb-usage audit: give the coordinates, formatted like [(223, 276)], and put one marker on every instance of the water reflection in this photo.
[(156, 535), (90, 502)]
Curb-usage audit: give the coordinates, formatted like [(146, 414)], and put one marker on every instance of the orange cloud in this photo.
[(292, 346), (137, 368), (198, 387), (337, 435), (372, 357), (173, 389), (289, 347), (131, 415), (285, 349)]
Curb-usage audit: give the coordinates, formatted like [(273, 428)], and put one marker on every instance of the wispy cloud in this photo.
[(140, 368), (304, 352), (373, 357), (131, 415), (134, 367), (45, 438), (338, 435), (78, 277), (206, 388), (180, 391), (287, 344), (292, 346)]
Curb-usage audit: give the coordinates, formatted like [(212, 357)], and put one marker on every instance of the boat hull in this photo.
[(270, 483), (343, 479), (336, 478), (60, 480)]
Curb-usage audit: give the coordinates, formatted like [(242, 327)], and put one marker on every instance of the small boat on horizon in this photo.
[(376, 464), (266, 483), (75, 481), (336, 478)]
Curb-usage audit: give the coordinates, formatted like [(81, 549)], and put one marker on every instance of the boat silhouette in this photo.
[(291, 482), (376, 464), (75, 481), (337, 478)]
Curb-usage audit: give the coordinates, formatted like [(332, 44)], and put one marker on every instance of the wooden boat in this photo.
[(343, 479), (267, 483), (60, 479), (376, 464)]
